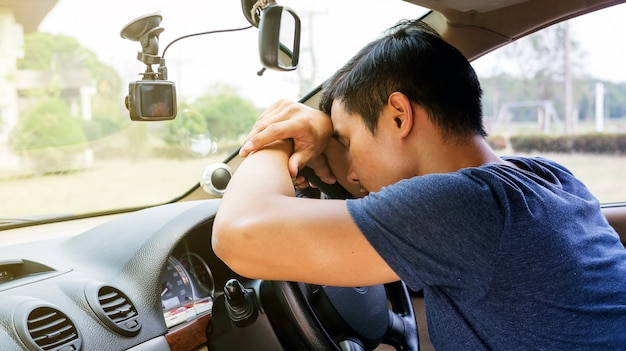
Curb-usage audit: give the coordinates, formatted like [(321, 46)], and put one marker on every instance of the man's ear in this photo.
[(401, 112)]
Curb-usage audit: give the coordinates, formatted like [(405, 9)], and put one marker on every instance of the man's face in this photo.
[(372, 156)]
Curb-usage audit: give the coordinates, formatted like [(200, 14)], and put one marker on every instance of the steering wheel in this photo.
[(334, 191), (335, 318), (343, 319)]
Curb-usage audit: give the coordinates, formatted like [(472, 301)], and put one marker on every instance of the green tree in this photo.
[(187, 122), (55, 52), (48, 135), (228, 114), (58, 54), (107, 117), (221, 114)]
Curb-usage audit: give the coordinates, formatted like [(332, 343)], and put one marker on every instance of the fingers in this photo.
[(266, 117), (263, 136), (298, 160), (318, 164), (300, 182), (260, 136), (309, 128), (322, 169)]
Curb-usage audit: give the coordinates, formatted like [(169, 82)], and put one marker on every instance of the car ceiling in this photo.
[(476, 27)]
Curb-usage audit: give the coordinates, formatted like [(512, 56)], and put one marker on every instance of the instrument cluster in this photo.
[(187, 288)]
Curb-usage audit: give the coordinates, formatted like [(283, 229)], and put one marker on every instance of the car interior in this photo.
[(146, 278)]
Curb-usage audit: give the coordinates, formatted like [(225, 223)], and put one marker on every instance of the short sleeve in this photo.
[(441, 229)]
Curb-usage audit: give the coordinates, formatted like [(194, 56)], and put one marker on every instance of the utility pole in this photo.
[(307, 79), (306, 48), (570, 117)]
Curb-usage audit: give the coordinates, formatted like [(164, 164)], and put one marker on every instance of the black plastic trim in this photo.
[(113, 308), (42, 326)]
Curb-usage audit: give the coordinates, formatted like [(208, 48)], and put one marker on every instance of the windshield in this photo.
[(67, 144)]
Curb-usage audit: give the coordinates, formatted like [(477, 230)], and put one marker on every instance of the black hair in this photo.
[(414, 60)]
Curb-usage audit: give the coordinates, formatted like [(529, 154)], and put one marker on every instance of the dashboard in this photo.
[(189, 286), (149, 281), (126, 284)]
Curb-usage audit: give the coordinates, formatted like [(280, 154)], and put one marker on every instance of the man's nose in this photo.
[(352, 177)]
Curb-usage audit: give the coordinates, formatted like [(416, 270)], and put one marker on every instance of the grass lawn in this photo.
[(604, 175), (111, 184)]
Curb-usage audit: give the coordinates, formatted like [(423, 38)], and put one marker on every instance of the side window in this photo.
[(560, 93)]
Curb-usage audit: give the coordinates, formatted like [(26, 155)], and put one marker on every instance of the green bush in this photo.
[(49, 136), (586, 143)]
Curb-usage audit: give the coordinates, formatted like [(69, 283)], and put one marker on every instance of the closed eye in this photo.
[(340, 139)]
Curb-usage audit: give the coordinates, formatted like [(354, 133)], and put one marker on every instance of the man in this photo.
[(512, 253)]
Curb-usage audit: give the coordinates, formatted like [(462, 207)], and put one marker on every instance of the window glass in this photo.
[(67, 144), (561, 93)]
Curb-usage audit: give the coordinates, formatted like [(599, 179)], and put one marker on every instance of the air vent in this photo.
[(44, 327), (113, 308)]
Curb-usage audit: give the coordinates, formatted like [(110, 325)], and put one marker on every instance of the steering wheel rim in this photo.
[(401, 332), (309, 325)]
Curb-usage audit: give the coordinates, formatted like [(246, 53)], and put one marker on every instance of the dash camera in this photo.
[(151, 100), (154, 97)]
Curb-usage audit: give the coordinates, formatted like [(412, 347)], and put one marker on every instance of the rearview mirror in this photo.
[(279, 38)]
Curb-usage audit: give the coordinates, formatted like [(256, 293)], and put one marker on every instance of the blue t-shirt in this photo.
[(509, 259)]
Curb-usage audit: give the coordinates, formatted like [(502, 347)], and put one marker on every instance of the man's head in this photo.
[(411, 59)]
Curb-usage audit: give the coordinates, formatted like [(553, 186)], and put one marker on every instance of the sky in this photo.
[(195, 62)]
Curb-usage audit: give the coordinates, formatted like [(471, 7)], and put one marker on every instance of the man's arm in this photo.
[(262, 231)]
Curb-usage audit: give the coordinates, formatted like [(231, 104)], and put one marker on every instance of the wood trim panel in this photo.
[(189, 336)]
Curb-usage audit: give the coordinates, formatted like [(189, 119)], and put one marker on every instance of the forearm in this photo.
[(251, 199), (261, 175)]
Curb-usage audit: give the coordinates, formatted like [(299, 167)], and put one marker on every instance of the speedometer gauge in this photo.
[(200, 274), (176, 292), (202, 278)]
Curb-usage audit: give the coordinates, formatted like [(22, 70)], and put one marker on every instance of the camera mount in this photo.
[(146, 31)]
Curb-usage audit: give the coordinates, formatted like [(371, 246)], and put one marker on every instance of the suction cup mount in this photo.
[(146, 31)]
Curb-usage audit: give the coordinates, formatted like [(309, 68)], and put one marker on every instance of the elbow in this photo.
[(222, 233), (227, 241)]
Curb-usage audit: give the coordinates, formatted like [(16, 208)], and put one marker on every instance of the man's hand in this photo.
[(310, 130)]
